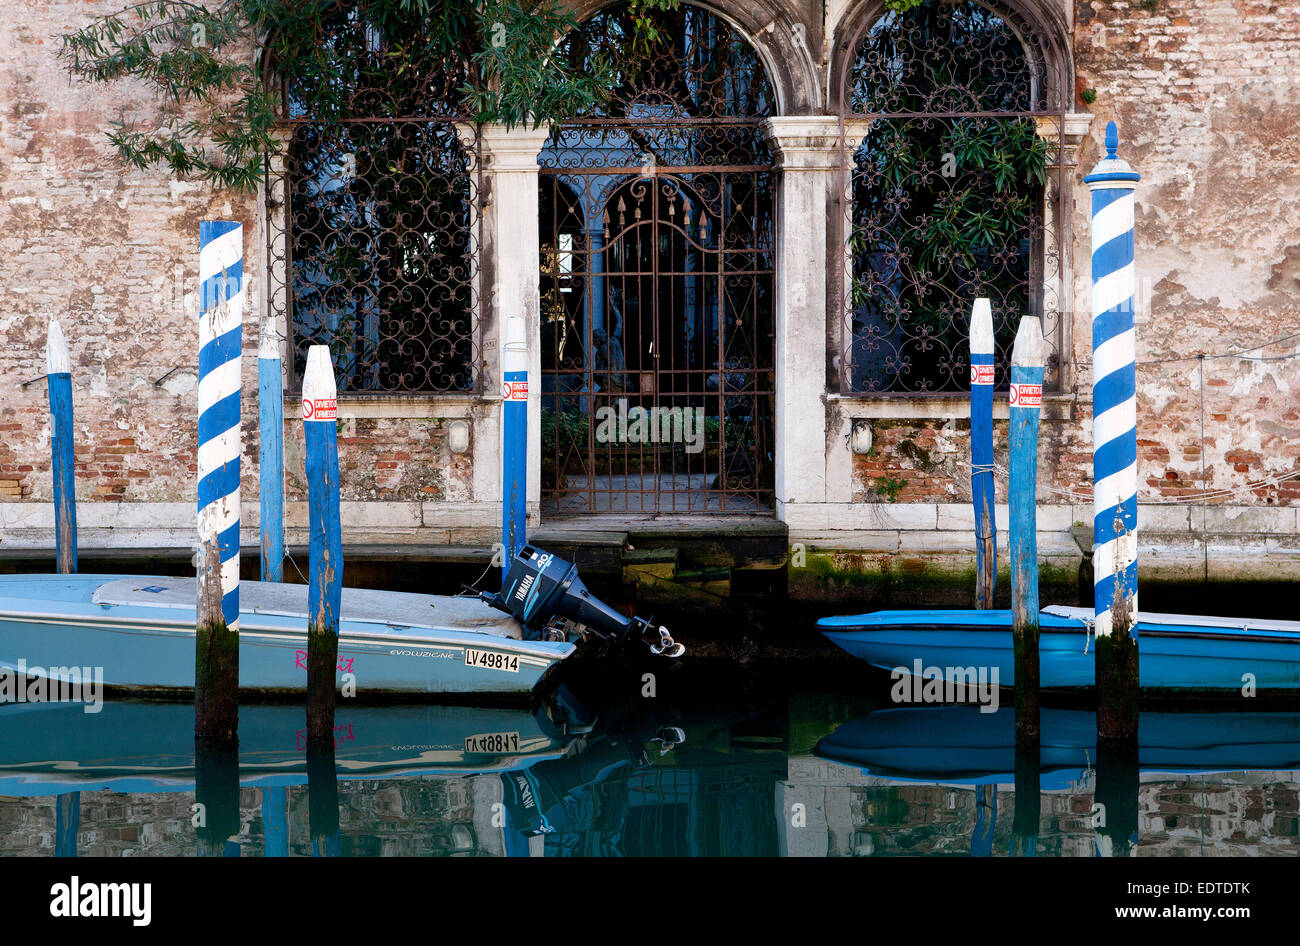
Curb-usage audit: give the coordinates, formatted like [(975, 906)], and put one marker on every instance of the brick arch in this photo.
[(1047, 18), (769, 27)]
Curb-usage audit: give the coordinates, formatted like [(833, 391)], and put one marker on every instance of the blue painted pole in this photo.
[(221, 313), (981, 453), (58, 370), (270, 411), (325, 575), (275, 821), (1025, 399), (1114, 437), (514, 453)]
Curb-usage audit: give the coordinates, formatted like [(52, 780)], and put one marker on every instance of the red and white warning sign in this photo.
[(1026, 395), (981, 374), (322, 408), (515, 390)]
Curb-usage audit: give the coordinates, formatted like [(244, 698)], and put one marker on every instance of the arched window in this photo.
[(950, 189), (372, 216)]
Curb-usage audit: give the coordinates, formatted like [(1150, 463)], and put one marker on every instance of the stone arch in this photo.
[(770, 28), (1047, 19)]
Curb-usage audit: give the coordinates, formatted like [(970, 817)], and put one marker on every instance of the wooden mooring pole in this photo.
[(270, 411), (216, 640), (1025, 399), (514, 453), (981, 453), (58, 372), (1114, 437), (325, 574)]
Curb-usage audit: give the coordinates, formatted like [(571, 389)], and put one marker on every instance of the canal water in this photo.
[(713, 760)]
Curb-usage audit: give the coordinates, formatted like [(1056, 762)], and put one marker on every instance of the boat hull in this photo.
[(1173, 654), (54, 622)]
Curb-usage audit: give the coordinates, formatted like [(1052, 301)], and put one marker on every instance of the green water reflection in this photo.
[(803, 774)]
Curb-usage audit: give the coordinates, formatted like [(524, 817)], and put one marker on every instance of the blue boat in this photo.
[(962, 745), (138, 633), (1176, 652)]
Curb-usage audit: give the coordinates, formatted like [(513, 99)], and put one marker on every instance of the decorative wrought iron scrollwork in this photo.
[(951, 194), (373, 220)]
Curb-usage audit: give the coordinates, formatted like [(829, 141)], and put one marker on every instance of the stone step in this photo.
[(660, 562)]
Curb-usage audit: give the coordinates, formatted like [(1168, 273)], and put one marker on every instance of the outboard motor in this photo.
[(539, 587)]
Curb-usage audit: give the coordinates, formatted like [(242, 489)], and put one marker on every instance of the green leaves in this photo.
[(491, 61)]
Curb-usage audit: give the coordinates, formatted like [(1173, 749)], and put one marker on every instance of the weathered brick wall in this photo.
[(112, 253), (1205, 95), (928, 461), (387, 459)]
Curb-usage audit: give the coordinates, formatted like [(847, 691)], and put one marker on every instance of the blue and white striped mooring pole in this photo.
[(1025, 398), (221, 314), (1114, 437), (325, 573), (514, 454), (981, 453), (58, 371), (270, 412)]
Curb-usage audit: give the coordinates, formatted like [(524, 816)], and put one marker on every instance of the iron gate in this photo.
[(657, 250)]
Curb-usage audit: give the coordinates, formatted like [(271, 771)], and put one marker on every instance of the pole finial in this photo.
[(318, 379), (981, 327), (57, 358), (1112, 140), (1029, 348)]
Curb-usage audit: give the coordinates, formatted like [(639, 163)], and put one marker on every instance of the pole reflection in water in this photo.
[(323, 798), (275, 821), (1115, 809), (215, 815), (1024, 824), (67, 824), (986, 821)]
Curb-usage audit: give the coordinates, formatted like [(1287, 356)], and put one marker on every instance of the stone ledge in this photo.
[(1056, 407)]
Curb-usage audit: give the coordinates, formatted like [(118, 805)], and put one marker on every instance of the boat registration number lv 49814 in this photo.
[(492, 660), (493, 742)]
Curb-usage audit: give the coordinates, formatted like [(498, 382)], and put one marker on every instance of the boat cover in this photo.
[(360, 605), (1184, 620)]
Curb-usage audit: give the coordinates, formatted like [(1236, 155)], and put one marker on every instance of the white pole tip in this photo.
[(268, 342), (981, 327), (1029, 349), (318, 378), (57, 359)]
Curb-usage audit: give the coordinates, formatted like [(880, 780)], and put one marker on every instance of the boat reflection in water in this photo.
[(405, 780), (954, 747), (742, 778)]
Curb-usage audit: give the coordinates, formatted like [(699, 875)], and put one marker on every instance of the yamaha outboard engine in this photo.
[(540, 587)]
